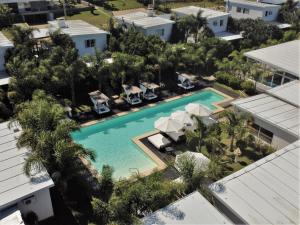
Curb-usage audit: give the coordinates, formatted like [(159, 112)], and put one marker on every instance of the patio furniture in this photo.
[(159, 141), (186, 81), (169, 149), (198, 109), (100, 102), (167, 124), (148, 90), (133, 94), (176, 136)]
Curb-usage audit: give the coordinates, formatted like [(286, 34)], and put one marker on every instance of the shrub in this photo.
[(234, 82), (248, 87), (223, 78)]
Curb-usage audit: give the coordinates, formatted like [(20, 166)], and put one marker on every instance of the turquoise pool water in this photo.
[(111, 139)]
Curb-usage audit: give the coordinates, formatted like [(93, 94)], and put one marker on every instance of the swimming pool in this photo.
[(111, 139)]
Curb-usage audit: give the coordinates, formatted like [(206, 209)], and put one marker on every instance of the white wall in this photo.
[(254, 12), (42, 205), (218, 28), (80, 43), (167, 31), (280, 138)]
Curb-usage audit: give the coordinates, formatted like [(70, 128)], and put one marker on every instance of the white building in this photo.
[(18, 191), (276, 114), (30, 8), (265, 192), (192, 209), (216, 20), (148, 24), (243, 9), (86, 37), (4, 45), (283, 60)]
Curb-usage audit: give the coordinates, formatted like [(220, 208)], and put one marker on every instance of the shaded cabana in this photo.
[(133, 94), (186, 81), (148, 90), (100, 102)]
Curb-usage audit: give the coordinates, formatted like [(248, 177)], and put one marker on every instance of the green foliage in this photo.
[(46, 132), (248, 87), (101, 211), (289, 13), (6, 16), (255, 32), (5, 111)]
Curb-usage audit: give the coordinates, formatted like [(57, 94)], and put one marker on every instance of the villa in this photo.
[(86, 37), (243, 9), (282, 60), (265, 192), (29, 9), (20, 194), (147, 23), (192, 209), (276, 114), (217, 20), (4, 45)]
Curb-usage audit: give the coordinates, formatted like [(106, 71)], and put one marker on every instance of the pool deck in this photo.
[(219, 105)]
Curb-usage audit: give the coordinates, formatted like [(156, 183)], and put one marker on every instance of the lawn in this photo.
[(203, 3), (124, 4), (98, 18)]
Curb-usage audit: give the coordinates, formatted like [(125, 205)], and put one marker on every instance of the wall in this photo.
[(101, 43), (218, 28), (280, 138), (254, 12), (167, 31)]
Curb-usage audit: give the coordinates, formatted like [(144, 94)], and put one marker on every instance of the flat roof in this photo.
[(265, 192), (193, 10), (227, 36), (272, 110), (142, 19), (285, 57), (192, 209), (4, 42), (77, 28), (14, 184), (289, 92), (252, 3)]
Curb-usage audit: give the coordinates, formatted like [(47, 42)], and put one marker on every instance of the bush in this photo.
[(229, 80), (248, 87)]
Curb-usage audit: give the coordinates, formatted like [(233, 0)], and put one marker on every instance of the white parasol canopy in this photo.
[(183, 117), (198, 110), (167, 124), (200, 160)]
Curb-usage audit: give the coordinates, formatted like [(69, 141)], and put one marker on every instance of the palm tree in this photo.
[(198, 134), (46, 133), (216, 169), (235, 125)]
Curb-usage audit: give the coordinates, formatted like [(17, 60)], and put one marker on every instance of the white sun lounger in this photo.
[(159, 141)]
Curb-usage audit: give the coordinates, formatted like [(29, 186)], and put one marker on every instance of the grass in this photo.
[(124, 4), (200, 3), (98, 17)]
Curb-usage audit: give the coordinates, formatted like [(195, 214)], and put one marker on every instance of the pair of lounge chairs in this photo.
[(162, 142)]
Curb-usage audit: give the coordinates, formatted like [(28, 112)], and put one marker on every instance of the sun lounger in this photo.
[(159, 141)]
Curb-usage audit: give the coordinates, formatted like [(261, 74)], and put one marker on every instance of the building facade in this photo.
[(243, 9)]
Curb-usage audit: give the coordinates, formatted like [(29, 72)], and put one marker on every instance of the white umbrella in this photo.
[(198, 110), (167, 124), (183, 117), (200, 160)]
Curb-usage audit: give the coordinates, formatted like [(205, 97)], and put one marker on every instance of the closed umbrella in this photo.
[(167, 124), (198, 110), (200, 160)]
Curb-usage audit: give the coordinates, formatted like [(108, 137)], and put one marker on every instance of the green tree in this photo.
[(46, 132), (6, 16), (235, 125)]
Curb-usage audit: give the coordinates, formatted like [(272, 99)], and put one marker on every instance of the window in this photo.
[(160, 32), (246, 11), (266, 13), (270, 13), (238, 9), (221, 23), (215, 23), (90, 43)]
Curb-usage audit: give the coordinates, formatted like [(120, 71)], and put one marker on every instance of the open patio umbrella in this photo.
[(198, 110), (183, 117), (167, 124), (200, 160)]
